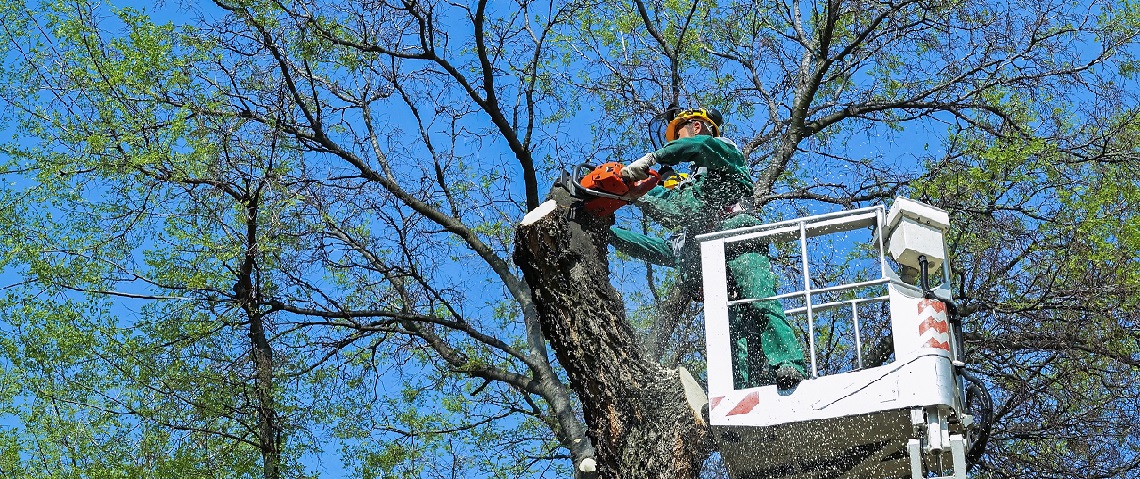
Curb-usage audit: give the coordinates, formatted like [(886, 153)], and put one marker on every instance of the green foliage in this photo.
[(338, 184), (1045, 253)]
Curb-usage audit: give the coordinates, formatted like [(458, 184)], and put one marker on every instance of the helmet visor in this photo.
[(659, 127)]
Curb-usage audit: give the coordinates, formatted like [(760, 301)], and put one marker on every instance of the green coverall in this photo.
[(700, 205)]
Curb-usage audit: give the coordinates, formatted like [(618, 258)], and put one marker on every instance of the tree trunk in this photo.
[(639, 418)]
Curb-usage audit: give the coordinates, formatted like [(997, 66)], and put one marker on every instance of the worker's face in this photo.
[(692, 128)]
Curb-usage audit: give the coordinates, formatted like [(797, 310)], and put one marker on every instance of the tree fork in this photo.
[(638, 415)]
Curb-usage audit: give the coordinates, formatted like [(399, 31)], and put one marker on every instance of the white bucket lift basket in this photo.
[(903, 418)]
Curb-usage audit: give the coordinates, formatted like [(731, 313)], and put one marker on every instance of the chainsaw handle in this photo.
[(574, 183), (580, 171)]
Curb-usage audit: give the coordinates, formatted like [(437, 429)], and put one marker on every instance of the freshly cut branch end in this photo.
[(588, 465), (694, 394), (539, 213)]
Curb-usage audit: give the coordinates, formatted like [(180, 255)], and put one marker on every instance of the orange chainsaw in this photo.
[(602, 189)]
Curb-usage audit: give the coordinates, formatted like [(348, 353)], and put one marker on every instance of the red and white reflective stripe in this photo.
[(744, 406), (934, 329)]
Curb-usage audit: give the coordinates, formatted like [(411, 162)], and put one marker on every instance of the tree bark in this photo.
[(269, 436), (638, 416)]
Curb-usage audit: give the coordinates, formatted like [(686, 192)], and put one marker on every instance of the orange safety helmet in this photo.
[(667, 124)]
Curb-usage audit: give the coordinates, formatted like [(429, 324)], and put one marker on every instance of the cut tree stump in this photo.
[(643, 420)]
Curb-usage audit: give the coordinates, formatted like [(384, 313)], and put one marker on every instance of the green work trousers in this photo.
[(760, 326)]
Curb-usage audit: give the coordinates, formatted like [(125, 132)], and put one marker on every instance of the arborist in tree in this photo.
[(713, 198)]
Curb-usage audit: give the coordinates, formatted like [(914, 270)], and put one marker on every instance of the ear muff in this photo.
[(716, 118)]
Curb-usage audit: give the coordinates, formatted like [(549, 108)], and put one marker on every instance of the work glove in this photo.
[(639, 169)]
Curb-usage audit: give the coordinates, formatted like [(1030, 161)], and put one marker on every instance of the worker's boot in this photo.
[(788, 376)]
